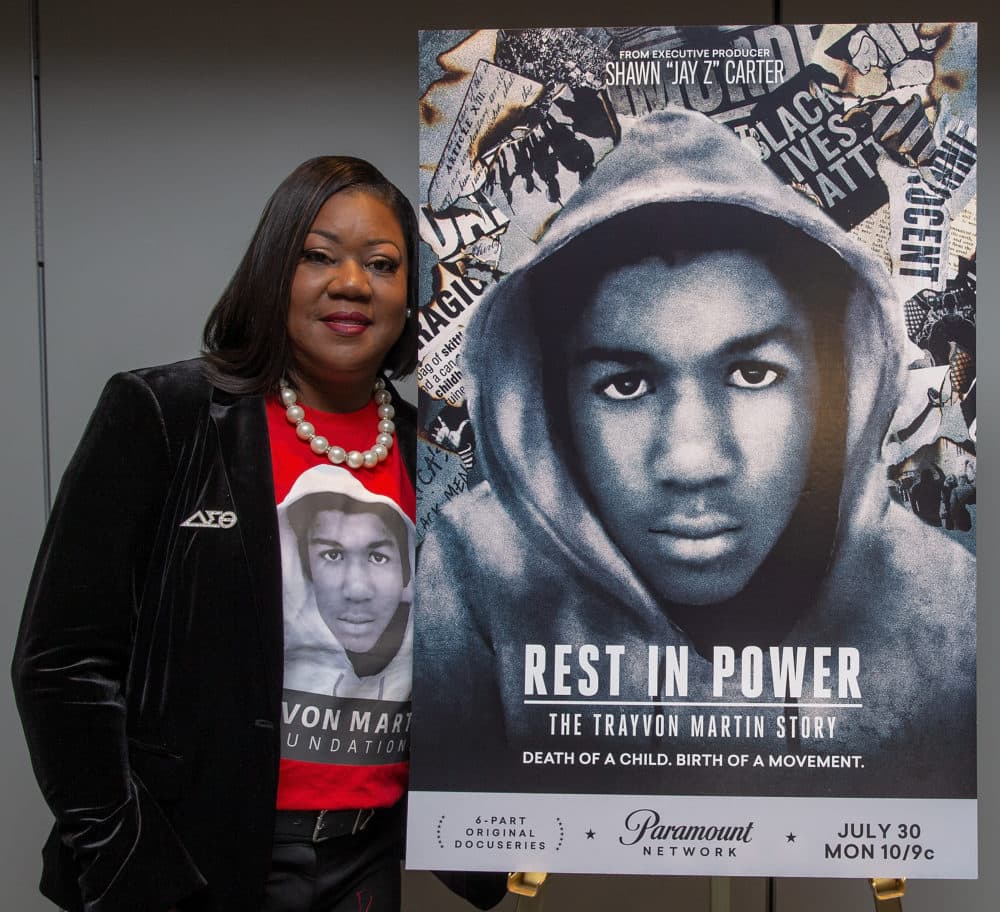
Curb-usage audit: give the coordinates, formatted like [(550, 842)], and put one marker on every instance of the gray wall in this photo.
[(22, 813), (163, 130)]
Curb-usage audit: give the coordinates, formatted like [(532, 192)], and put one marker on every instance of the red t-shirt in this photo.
[(347, 542)]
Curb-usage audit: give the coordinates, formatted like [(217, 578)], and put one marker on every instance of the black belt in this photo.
[(318, 826)]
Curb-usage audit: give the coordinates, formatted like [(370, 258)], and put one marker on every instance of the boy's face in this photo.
[(357, 575), (691, 393)]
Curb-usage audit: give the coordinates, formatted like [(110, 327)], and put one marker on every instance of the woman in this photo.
[(149, 666)]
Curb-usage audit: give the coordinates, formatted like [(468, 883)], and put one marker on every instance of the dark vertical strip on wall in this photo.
[(771, 897), (36, 130)]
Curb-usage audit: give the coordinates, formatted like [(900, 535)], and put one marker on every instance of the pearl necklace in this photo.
[(356, 459)]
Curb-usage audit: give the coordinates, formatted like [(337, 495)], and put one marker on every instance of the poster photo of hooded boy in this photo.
[(698, 350)]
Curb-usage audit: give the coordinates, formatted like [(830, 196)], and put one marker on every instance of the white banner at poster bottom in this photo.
[(719, 836)]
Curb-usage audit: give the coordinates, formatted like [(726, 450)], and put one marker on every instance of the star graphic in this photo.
[(790, 837), (590, 834)]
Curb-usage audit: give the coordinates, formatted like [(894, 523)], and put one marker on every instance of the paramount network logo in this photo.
[(645, 826)]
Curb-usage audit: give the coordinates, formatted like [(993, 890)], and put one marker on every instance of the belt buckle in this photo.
[(362, 820), (316, 836)]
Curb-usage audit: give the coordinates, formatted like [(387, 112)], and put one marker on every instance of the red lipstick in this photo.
[(347, 324)]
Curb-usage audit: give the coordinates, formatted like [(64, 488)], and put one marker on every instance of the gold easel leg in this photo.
[(888, 893), (527, 887), (720, 894)]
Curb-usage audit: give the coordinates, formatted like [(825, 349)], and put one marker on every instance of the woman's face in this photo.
[(348, 301)]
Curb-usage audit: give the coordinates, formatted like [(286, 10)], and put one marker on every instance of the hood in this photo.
[(315, 660), (668, 158)]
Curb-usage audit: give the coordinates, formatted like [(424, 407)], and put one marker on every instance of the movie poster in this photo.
[(697, 460)]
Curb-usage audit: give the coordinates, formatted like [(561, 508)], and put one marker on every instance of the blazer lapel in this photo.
[(241, 424)]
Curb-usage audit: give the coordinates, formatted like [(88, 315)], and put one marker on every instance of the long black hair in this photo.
[(245, 338)]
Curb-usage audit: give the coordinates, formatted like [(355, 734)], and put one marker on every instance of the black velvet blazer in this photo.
[(148, 668)]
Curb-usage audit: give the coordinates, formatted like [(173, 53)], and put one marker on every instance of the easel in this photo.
[(887, 892), (527, 887)]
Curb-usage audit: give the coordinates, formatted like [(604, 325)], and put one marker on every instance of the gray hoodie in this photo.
[(315, 660), (521, 572)]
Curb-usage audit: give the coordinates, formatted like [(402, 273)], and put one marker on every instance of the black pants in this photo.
[(359, 873)]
